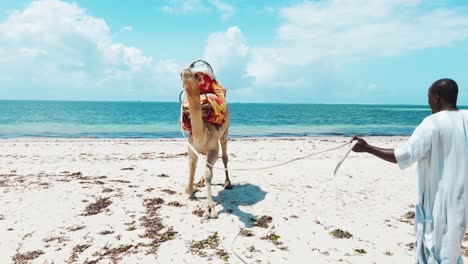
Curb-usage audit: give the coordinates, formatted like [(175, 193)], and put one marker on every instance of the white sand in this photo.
[(42, 203)]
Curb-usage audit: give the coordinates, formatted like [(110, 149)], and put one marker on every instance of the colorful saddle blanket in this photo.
[(212, 100)]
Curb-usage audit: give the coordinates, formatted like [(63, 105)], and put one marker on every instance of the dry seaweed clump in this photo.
[(106, 232), (24, 258), (388, 253), (360, 251), (3, 183), (263, 221), (410, 246), (75, 228), (107, 190), (212, 244), (170, 192), (76, 251), (97, 207), (118, 250), (198, 212), (273, 238), (175, 204), (409, 215), (338, 233), (153, 205), (407, 218), (252, 248), (154, 227), (113, 253), (81, 248), (59, 239), (246, 233)]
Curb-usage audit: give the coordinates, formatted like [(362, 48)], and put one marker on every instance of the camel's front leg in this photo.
[(192, 168), (210, 211), (227, 182)]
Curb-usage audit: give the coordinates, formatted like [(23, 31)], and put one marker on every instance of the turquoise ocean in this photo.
[(67, 119)]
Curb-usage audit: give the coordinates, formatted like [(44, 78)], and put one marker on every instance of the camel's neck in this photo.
[(193, 98)]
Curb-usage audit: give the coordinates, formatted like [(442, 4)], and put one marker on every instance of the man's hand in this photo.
[(385, 154), (361, 145)]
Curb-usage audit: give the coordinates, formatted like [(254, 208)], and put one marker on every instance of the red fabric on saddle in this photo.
[(206, 83)]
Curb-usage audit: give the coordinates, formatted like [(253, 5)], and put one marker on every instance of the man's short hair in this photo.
[(446, 89)]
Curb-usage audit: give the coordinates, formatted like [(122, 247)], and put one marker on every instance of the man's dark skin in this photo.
[(442, 96)]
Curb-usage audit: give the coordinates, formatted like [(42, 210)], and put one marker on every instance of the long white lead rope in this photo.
[(338, 165), (265, 167)]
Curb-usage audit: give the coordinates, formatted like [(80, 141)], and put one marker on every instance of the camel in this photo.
[(204, 139)]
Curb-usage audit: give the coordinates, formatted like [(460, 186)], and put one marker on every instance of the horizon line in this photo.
[(142, 101)]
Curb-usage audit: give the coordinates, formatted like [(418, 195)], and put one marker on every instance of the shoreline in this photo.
[(182, 139)]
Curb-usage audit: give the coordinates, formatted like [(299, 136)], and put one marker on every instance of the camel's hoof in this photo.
[(201, 183), (214, 215), (190, 191), (206, 214), (227, 185), (210, 212)]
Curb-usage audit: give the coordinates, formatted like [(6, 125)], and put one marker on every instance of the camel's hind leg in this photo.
[(227, 182), (193, 158), (210, 211)]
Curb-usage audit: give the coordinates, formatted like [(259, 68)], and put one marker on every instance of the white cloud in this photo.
[(178, 7), (226, 49), (330, 33), (228, 53), (58, 46)]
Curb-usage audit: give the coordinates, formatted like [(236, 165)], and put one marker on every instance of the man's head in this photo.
[(443, 94)]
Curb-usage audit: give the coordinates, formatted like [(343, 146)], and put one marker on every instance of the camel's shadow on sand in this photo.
[(240, 195)]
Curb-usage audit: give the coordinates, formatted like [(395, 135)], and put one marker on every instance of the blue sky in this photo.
[(324, 51)]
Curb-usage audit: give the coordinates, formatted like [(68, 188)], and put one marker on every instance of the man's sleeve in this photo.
[(417, 146)]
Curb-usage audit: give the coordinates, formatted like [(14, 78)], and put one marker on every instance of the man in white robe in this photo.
[(439, 145)]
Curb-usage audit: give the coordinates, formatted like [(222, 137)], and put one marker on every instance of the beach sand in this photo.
[(122, 201)]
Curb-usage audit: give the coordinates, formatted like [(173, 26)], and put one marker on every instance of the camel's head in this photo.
[(198, 78), (190, 81)]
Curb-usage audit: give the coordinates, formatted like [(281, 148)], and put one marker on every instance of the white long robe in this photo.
[(440, 146)]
